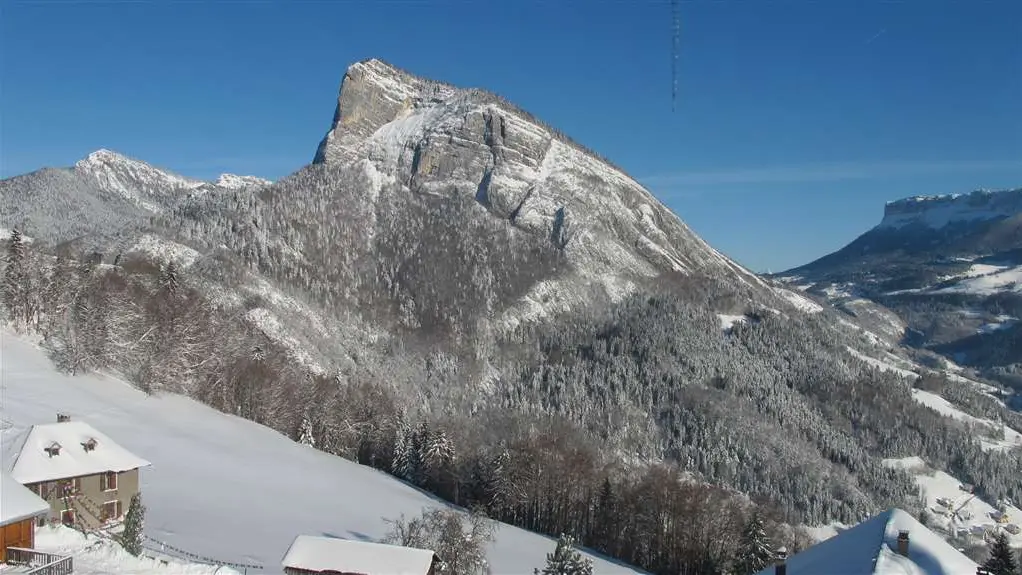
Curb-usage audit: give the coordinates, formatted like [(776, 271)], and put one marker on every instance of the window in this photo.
[(112, 510), (70, 487), (44, 490), (108, 481), (67, 517)]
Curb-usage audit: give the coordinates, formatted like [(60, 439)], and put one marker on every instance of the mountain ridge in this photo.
[(450, 265)]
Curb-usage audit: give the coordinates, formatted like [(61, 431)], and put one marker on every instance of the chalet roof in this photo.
[(17, 502), (28, 452), (870, 548), (314, 553)]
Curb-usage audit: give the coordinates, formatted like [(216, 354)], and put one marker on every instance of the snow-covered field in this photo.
[(977, 516), (225, 488)]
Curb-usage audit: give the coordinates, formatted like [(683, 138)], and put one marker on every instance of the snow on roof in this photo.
[(29, 458), (314, 553), (870, 547), (17, 502)]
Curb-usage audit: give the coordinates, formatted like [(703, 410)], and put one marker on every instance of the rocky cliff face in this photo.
[(936, 212), (435, 139)]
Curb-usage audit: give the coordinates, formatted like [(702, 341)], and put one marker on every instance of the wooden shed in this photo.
[(19, 510)]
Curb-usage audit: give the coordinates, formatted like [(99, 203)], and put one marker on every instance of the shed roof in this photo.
[(316, 553), (17, 502)]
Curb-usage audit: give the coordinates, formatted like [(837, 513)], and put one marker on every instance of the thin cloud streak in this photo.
[(826, 172)]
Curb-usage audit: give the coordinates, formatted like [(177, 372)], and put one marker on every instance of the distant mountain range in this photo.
[(448, 258), (949, 266)]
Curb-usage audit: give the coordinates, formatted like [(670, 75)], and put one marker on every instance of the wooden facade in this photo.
[(17, 534)]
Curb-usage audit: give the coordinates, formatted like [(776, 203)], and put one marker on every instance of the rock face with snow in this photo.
[(439, 140), (936, 212), (950, 266)]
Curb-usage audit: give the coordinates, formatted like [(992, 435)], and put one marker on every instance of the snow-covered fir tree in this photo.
[(134, 526), (755, 549), (169, 281), (566, 560), (305, 435), (1002, 560), (15, 288)]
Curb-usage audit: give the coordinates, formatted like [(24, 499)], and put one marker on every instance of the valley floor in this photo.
[(223, 488)]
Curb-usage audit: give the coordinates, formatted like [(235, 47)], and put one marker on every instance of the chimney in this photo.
[(62, 417), (781, 567), (903, 543)]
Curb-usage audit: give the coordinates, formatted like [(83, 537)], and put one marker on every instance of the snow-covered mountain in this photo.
[(950, 266), (448, 258), (434, 139), (103, 193)]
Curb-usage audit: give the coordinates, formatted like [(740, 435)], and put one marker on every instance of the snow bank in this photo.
[(95, 555)]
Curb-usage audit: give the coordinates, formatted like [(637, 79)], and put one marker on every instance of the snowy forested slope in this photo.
[(226, 488)]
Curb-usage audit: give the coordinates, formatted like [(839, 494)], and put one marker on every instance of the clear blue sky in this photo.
[(796, 119)]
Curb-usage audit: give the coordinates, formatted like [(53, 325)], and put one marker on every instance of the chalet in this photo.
[(312, 555), (891, 543), (84, 476), (19, 510)]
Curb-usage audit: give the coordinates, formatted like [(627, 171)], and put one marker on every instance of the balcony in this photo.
[(32, 562)]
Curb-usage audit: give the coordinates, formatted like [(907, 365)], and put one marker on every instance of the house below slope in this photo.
[(85, 477), (312, 555), (891, 543), (19, 510)]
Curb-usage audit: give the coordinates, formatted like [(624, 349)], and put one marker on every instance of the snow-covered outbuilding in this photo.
[(19, 509), (891, 543), (314, 555), (83, 475)]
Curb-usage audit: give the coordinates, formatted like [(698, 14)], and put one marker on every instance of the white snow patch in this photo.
[(265, 321), (728, 321), (799, 301), (165, 251), (234, 182), (97, 555), (5, 234), (1001, 279), (227, 488), (880, 364)]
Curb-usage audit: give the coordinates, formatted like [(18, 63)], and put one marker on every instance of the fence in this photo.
[(40, 563), (164, 547)]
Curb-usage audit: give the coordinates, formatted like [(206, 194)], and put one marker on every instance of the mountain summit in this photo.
[(438, 140)]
